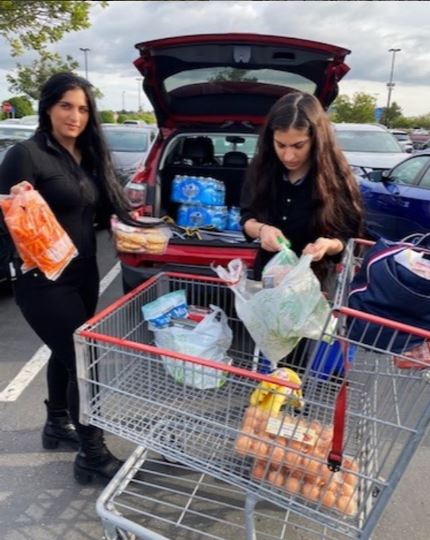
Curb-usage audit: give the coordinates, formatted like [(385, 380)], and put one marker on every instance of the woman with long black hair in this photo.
[(300, 187), (68, 163)]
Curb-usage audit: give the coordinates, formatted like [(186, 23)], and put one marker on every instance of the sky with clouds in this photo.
[(368, 29)]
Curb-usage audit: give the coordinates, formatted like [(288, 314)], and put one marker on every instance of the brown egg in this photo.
[(313, 467), (292, 459), (296, 445), (326, 433), (292, 484), (328, 498), (243, 444), (278, 454), (260, 449), (277, 478), (347, 505), (347, 489), (311, 492), (259, 469), (350, 479)]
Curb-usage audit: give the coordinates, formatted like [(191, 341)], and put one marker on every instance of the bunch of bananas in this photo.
[(271, 397)]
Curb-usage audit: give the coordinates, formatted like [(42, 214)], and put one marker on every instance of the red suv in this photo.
[(210, 95)]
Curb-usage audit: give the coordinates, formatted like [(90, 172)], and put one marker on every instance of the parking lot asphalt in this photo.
[(39, 499)]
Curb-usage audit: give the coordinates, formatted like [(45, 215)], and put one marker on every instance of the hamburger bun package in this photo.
[(152, 239)]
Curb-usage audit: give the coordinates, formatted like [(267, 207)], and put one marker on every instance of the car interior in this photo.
[(195, 156)]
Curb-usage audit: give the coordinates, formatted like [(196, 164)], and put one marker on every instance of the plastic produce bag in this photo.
[(38, 237), (278, 317), (209, 339)]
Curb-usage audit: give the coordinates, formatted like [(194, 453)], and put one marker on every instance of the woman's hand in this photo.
[(269, 237), (323, 246), (20, 187)]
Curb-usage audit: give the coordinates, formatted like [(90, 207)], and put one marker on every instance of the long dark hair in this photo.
[(91, 141), (339, 208)]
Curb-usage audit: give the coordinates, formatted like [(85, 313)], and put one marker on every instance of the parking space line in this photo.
[(15, 388)]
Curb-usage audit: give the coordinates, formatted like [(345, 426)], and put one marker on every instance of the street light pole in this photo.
[(85, 50), (139, 106), (123, 100), (390, 83)]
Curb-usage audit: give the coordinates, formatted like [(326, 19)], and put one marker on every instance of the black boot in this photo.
[(94, 459), (59, 428)]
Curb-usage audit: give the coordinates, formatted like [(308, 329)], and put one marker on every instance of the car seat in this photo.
[(198, 151), (235, 159)]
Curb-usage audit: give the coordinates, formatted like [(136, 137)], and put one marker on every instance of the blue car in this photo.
[(397, 201)]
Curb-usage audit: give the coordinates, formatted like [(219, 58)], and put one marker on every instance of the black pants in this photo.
[(54, 310)]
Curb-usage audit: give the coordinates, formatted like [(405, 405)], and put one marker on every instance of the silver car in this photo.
[(369, 147)]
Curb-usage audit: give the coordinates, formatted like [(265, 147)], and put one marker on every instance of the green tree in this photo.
[(22, 106), (30, 79), (392, 115), (107, 117), (359, 109), (233, 74), (33, 24)]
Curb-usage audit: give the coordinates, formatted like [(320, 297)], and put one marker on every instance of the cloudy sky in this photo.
[(368, 29)]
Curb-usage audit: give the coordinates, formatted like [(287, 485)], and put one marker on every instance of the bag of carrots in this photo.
[(40, 240)]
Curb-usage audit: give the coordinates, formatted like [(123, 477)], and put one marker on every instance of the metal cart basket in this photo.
[(334, 461)]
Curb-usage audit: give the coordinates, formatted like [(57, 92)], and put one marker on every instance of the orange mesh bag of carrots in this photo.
[(38, 237)]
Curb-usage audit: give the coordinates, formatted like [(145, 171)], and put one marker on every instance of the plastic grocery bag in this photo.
[(209, 339), (38, 237), (277, 318)]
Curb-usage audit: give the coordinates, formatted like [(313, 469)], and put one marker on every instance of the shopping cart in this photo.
[(334, 462)]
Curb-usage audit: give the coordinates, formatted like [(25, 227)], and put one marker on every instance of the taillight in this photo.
[(136, 193)]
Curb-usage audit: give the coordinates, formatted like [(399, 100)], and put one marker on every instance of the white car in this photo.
[(404, 139), (369, 147)]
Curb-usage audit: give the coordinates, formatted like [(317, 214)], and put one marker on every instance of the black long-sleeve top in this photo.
[(293, 210), (71, 190)]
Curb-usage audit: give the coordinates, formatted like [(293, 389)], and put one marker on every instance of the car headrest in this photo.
[(235, 159), (198, 149)]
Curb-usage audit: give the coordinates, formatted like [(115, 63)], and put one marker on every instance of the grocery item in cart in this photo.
[(291, 453), (39, 239), (130, 239), (270, 397), (209, 339), (277, 318), (160, 312)]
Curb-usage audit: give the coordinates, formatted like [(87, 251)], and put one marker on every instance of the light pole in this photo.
[(85, 50), (390, 83), (123, 100), (139, 105)]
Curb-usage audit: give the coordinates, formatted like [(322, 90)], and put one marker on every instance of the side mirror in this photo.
[(376, 176), (385, 176)]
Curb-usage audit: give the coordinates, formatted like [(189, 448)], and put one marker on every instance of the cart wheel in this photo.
[(119, 534), (170, 460)]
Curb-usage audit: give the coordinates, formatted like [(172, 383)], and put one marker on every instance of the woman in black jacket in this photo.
[(68, 163), (300, 187)]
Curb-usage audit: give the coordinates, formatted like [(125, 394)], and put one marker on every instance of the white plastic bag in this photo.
[(277, 318), (210, 339)]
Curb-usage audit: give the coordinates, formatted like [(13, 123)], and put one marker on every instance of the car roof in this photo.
[(233, 77), (345, 126)]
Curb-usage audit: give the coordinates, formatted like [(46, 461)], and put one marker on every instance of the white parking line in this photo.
[(15, 388)]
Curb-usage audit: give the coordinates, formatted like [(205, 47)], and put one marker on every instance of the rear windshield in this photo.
[(367, 141), (235, 75), (124, 140)]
